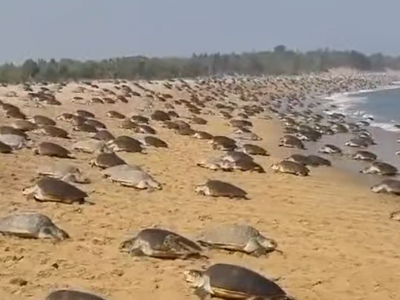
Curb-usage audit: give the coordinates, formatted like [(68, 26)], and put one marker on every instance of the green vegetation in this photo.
[(279, 61)]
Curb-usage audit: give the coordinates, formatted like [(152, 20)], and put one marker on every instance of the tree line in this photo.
[(278, 61)]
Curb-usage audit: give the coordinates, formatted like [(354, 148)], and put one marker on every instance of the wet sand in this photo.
[(336, 234)]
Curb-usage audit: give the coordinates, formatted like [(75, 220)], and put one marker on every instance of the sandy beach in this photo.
[(338, 240)]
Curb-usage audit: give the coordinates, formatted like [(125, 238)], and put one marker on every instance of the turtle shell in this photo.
[(155, 142), (42, 120), (71, 295), (231, 236), (225, 189), (232, 281), (107, 160), (158, 240), (52, 149), (60, 189), (55, 131), (103, 135)]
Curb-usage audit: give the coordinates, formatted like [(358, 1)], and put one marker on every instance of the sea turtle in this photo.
[(390, 186), (71, 295), (91, 146), (299, 158), (218, 188), (31, 225), (290, 141), (53, 150), (140, 119), (112, 114), (132, 177), (316, 161), (48, 189), (290, 167), (84, 113), (223, 143), (42, 120), (234, 156), (247, 136), (240, 123), (144, 129), (202, 135), (364, 155), (54, 131), (11, 130), (215, 163), (128, 124), (63, 171), (14, 141), (106, 160), (248, 165), (357, 142), (330, 149), (84, 127), (125, 143), (237, 237), (160, 115), (103, 135), (381, 168), (152, 141), (95, 123), (233, 282), (160, 243), (24, 125), (199, 121), (251, 149)]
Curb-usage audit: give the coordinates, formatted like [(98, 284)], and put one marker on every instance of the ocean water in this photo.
[(380, 107)]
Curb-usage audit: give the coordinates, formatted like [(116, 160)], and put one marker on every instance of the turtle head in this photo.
[(200, 189), (378, 188), (274, 166), (53, 232), (195, 278), (267, 243), (127, 245)]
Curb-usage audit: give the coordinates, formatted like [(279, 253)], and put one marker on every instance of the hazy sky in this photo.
[(96, 29)]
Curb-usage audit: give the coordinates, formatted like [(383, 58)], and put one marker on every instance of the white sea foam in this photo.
[(386, 126), (345, 103)]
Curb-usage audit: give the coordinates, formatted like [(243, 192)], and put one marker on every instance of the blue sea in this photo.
[(381, 107)]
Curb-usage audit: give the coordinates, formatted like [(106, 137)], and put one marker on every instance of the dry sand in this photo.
[(338, 239)]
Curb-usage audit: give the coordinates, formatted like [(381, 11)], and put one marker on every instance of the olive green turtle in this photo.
[(106, 160), (216, 163), (380, 168), (42, 120), (126, 144), (237, 237), (54, 131), (132, 176), (63, 171), (218, 188), (252, 149), (161, 243), (290, 167), (233, 282), (53, 150), (48, 189), (31, 225), (91, 146), (72, 295)]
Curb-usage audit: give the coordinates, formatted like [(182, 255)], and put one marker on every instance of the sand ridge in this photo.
[(338, 240)]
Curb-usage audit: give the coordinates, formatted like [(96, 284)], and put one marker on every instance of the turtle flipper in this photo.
[(202, 294)]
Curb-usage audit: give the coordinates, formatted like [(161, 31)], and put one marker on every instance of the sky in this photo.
[(96, 29)]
